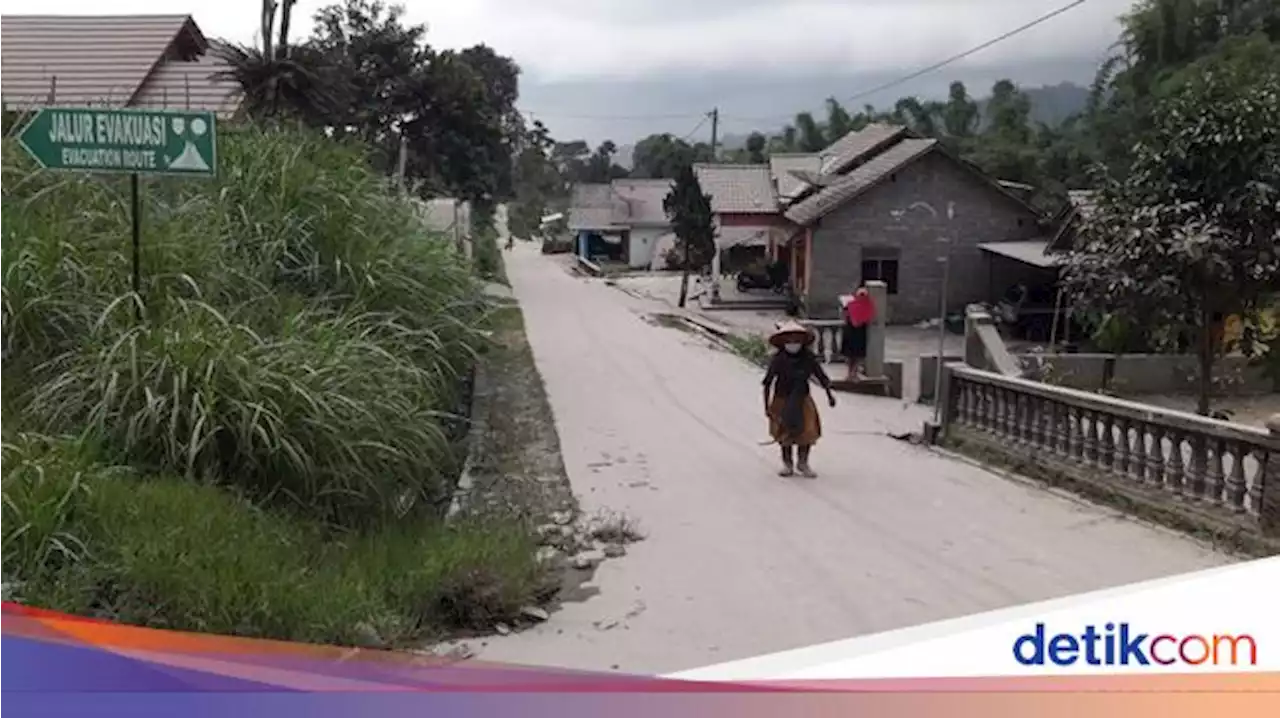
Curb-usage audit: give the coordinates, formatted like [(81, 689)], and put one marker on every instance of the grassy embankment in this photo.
[(269, 451)]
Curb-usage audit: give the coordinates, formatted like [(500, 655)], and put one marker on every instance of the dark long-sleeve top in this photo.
[(790, 373)]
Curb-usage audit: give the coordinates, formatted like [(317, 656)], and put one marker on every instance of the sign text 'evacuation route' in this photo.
[(141, 141)]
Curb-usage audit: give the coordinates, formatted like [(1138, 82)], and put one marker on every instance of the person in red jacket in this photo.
[(858, 314)]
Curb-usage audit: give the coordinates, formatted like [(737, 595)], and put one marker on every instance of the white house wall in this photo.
[(643, 242)]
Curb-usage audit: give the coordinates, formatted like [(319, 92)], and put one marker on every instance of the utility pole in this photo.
[(715, 128), (715, 242)]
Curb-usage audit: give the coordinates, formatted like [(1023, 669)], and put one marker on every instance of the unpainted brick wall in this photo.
[(930, 199)]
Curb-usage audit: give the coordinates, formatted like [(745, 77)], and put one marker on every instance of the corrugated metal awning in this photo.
[(1031, 251), (742, 237)]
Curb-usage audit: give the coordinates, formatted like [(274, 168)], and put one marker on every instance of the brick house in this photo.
[(745, 213), (891, 206)]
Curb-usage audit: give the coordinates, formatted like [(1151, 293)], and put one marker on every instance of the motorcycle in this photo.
[(772, 278)]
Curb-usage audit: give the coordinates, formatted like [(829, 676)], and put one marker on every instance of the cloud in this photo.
[(568, 40), (758, 60)]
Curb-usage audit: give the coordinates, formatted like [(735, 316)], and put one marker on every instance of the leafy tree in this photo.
[(756, 143), (366, 74), (690, 213), (601, 167), (839, 123), (959, 113), (784, 141), (1190, 234), (811, 136), (1160, 38), (577, 163), (665, 155), (920, 117), (537, 183)]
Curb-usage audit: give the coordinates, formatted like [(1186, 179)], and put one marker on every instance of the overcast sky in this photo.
[(624, 68)]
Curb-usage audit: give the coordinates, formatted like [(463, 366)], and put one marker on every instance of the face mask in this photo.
[(791, 348)]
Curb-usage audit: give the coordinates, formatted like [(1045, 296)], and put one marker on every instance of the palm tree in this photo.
[(276, 80), (812, 138), (839, 123), (922, 118)]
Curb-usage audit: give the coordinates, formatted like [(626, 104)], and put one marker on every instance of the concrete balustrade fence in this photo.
[(1218, 471)]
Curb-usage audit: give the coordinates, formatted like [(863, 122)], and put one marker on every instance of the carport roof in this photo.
[(1030, 251)]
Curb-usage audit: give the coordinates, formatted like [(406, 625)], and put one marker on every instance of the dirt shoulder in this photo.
[(516, 466)]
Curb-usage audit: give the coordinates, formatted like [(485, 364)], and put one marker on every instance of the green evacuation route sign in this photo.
[(134, 141)]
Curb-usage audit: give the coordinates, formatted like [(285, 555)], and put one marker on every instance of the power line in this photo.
[(966, 53), (696, 127), (616, 118), (943, 63), (864, 93)]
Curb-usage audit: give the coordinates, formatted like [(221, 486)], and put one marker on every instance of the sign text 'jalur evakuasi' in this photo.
[(123, 141)]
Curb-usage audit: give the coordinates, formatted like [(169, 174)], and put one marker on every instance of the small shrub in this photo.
[(488, 256), (46, 496), (614, 528), (466, 575), (752, 347)]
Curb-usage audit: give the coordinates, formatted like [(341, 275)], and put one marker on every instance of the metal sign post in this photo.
[(135, 142)]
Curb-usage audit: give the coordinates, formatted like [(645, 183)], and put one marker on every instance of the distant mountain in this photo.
[(733, 141), (1050, 104)]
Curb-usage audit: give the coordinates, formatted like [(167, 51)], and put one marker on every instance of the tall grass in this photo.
[(303, 340), (93, 539), (264, 452)]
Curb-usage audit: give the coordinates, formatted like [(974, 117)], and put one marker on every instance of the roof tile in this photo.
[(85, 60), (858, 145), (592, 206), (738, 188), (641, 201), (784, 168), (858, 180)]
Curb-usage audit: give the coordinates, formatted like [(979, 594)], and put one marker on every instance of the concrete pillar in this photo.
[(879, 292), (984, 348), (715, 272), (1269, 511), (974, 355), (715, 259)]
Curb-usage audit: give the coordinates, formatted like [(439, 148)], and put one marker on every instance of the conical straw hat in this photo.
[(791, 331)]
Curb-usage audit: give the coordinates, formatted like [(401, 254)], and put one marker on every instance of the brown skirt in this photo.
[(809, 434)]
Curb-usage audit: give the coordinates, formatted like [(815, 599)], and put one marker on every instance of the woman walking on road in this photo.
[(793, 416), (853, 339)]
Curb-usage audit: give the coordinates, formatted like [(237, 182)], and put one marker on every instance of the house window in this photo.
[(881, 263)]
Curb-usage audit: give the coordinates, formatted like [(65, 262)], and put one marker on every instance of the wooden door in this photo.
[(799, 261)]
